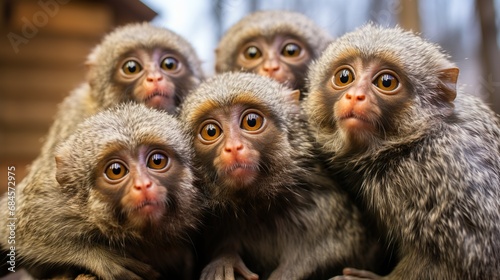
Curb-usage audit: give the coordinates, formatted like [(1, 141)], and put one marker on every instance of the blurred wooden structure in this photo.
[(42, 52)]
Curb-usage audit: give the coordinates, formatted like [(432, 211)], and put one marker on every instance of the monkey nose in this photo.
[(234, 147), (154, 77), (142, 184), (356, 96), (269, 69)]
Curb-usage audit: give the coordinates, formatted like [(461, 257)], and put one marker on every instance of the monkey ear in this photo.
[(59, 166), (218, 67), (92, 57), (293, 99), (448, 83)]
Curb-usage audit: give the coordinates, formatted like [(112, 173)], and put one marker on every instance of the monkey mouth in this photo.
[(160, 100), (241, 169), (148, 206), (352, 120), (157, 94)]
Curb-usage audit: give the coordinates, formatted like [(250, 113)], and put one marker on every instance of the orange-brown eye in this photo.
[(291, 50), (157, 161), (169, 64), (252, 122), (252, 52), (343, 77), (131, 67), (386, 82), (115, 171), (210, 132)]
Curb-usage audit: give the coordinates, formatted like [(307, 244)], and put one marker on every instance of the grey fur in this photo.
[(294, 222), (70, 229), (432, 180)]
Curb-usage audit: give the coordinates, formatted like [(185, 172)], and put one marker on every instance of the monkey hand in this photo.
[(225, 266), (356, 274)]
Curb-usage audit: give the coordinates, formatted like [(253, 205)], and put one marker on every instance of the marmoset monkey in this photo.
[(123, 205), (136, 62), (272, 210), (277, 44), (424, 160)]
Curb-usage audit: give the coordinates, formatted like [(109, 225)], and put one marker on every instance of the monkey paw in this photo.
[(356, 274), (225, 267)]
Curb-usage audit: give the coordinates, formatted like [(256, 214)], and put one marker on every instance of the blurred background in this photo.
[(44, 44)]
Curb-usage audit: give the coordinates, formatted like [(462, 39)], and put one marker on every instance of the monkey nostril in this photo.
[(154, 78), (360, 97), (142, 185), (233, 148)]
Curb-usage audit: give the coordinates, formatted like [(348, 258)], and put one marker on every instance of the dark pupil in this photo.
[(169, 63), (211, 131), (131, 67), (252, 121), (386, 80), (157, 159), (344, 76), (252, 52), (116, 168), (291, 49)]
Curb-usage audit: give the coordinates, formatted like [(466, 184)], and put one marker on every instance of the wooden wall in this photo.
[(36, 74)]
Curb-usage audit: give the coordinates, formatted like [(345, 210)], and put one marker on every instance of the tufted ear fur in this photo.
[(448, 83), (59, 174), (292, 97)]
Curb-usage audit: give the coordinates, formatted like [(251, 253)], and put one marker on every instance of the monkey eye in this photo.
[(252, 52), (210, 132), (115, 171), (252, 121), (291, 50), (157, 161), (169, 64), (131, 67), (386, 82), (343, 77)]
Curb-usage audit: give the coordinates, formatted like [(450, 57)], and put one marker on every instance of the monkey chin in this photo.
[(160, 100), (282, 77), (148, 212), (240, 175)]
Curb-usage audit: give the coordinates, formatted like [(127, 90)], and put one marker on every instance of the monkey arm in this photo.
[(406, 269), (99, 261), (356, 274)]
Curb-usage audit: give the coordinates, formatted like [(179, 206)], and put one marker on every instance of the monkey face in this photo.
[(363, 98), (282, 58), (139, 184), (236, 142), (232, 135), (153, 77)]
